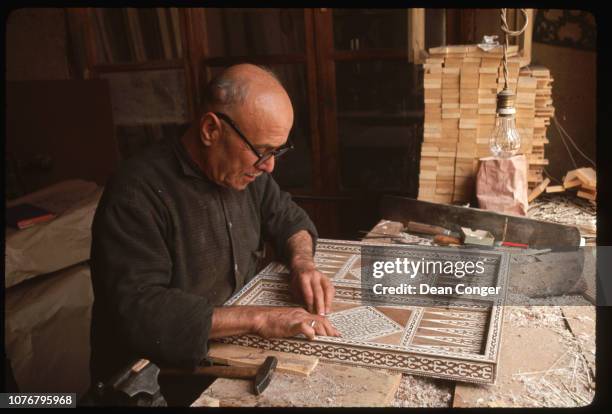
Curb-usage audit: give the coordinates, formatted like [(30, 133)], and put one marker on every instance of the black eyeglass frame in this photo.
[(261, 158)]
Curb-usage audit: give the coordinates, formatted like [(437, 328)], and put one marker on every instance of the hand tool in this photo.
[(137, 384), (261, 375), (416, 227), (446, 240)]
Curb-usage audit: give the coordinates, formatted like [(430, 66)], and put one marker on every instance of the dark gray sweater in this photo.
[(168, 246)]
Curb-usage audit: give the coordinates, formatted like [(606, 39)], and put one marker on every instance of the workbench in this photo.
[(561, 373)]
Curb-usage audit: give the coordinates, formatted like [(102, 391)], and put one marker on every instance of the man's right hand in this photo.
[(282, 322), (268, 322)]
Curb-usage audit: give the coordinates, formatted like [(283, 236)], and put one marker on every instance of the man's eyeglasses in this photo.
[(261, 157)]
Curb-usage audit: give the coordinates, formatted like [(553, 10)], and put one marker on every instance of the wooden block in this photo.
[(588, 187), (467, 135), (450, 115), (538, 190), (588, 176), (468, 112), (536, 161), (490, 63), (428, 175), (468, 123), (555, 189), (451, 71), (586, 194), (488, 70), (206, 401), (450, 49), (453, 62), (242, 356)]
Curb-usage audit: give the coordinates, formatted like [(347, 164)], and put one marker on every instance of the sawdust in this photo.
[(324, 388), (526, 302), (423, 392), (566, 209), (570, 380)]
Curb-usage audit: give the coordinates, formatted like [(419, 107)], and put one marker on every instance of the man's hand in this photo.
[(281, 322), (307, 283), (312, 287)]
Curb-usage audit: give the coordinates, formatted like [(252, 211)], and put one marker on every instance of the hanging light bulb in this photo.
[(505, 140)]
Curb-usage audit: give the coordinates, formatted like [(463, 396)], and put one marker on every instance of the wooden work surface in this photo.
[(547, 356), (547, 359), (329, 385)]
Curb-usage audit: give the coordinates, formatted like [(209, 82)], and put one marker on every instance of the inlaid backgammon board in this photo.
[(454, 337)]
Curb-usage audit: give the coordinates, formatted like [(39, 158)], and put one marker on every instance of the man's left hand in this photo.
[(312, 286)]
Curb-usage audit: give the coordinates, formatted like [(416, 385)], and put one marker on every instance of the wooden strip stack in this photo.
[(544, 110), (460, 88), (583, 179)]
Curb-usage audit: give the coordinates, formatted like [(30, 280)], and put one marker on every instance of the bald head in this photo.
[(244, 85), (243, 103)]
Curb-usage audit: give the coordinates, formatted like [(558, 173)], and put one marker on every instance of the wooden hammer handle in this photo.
[(216, 371), (446, 240), (416, 227)]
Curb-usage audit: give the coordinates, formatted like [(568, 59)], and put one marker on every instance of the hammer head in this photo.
[(264, 374), (135, 385)]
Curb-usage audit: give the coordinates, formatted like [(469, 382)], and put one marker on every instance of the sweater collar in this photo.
[(187, 164)]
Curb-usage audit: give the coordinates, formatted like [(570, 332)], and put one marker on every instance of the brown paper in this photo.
[(501, 185), (47, 327)]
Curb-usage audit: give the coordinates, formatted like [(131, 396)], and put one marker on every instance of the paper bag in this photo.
[(501, 185)]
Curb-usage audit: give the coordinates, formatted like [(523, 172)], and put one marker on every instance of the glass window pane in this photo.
[(150, 96), (133, 139), (294, 169), (357, 29), (148, 106), (379, 126), (242, 32), (137, 35)]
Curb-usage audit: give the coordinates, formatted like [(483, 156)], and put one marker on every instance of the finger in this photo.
[(307, 294), (329, 328), (320, 327), (305, 328), (319, 297), (329, 292)]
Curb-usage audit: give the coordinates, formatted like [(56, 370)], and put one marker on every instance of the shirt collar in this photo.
[(188, 165)]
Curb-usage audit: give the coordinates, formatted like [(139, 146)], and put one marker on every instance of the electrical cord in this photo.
[(563, 131), (507, 33), (566, 146)]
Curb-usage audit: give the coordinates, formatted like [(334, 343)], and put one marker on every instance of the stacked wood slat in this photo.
[(585, 180), (544, 110), (460, 88)]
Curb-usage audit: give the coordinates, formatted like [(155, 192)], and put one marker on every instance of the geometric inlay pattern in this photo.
[(363, 323), (454, 339)]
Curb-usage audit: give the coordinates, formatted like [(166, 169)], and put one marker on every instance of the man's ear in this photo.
[(209, 129)]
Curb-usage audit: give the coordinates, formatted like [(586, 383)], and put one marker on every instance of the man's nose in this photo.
[(267, 165)]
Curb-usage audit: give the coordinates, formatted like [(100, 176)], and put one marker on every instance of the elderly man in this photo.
[(180, 228)]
